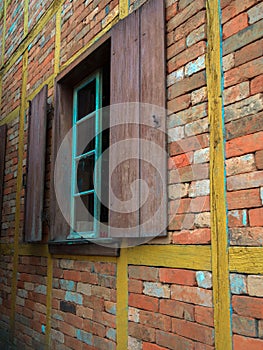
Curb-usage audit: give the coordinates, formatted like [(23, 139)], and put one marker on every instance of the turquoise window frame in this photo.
[(97, 76)]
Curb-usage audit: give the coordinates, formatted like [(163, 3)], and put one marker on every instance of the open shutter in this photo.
[(124, 166), (153, 214), (2, 166), (36, 166), (138, 75), (60, 180)]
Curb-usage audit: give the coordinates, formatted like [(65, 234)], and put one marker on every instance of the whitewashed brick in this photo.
[(202, 219), (199, 95), (199, 188), (176, 134), (255, 13), (202, 156), (255, 285), (238, 165), (178, 191)]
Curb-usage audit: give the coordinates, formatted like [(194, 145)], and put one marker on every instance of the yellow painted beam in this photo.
[(33, 250), (246, 260), (122, 301), (3, 33), (219, 234), (10, 117), (49, 301), (123, 8), (6, 249), (18, 194), (176, 256), (25, 17), (57, 41)]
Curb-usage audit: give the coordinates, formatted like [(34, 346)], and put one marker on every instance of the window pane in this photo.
[(86, 100), (85, 135), (84, 213), (85, 171)]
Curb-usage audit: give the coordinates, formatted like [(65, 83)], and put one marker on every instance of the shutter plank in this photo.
[(153, 214), (3, 129), (36, 167), (124, 88), (62, 123)]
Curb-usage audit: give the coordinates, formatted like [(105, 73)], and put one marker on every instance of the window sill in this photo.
[(84, 247)]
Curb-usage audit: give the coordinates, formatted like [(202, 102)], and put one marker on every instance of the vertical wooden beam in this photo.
[(122, 300), (123, 8), (219, 234), (18, 193), (49, 301), (26, 17), (57, 41)]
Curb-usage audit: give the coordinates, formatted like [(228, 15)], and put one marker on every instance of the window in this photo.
[(125, 69)]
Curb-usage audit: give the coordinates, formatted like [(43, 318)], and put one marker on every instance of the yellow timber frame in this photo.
[(218, 258)]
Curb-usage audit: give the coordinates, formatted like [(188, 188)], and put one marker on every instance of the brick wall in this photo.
[(65, 302)]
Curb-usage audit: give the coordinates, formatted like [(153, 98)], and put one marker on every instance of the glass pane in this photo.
[(84, 213), (86, 99), (85, 136), (85, 171)]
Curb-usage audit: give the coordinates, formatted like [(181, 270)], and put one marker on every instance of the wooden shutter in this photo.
[(2, 166), (62, 123), (138, 75), (36, 166)]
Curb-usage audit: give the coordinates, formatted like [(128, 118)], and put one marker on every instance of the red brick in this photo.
[(244, 144), (179, 103), (237, 218), (155, 320), (141, 332), (193, 295), (190, 144), (178, 309), (243, 199), (200, 346), (249, 53), (175, 48), (244, 72), (135, 286), (232, 9), (256, 84), (244, 343), (180, 161), (94, 328), (189, 26), (259, 159), (177, 276), (235, 25), (151, 346), (248, 306), (143, 302), (243, 126), (244, 325), (171, 11), (243, 181), (204, 315), (256, 217), (236, 93), (173, 341), (193, 331), (189, 173), (144, 273), (246, 236), (198, 236), (186, 56), (72, 275), (182, 221), (186, 85)]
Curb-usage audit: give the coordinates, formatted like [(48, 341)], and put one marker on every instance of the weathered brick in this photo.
[(242, 73), (247, 236), (175, 76), (193, 331), (198, 236), (238, 165), (154, 320), (186, 85), (185, 205), (204, 315), (243, 181), (178, 309), (134, 343), (232, 9), (189, 144), (256, 217), (243, 38), (194, 295), (259, 159), (202, 220), (135, 286), (187, 174), (204, 279), (196, 35), (237, 218), (199, 188), (238, 283), (199, 96), (188, 115), (179, 103), (156, 289), (260, 329), (176, 134), (249, 53), (256, 84), (180, 161), (141, 332), (144, 273), (244, 325), (248, 306), (235, 25), (195, 66), (197, 127), (255, 13), (244, 343), (228, 62), (134, 314), (176, 48), (180, 222), (236, 93), (247, 125), (173, 341), (151, 346), (255, 285)]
